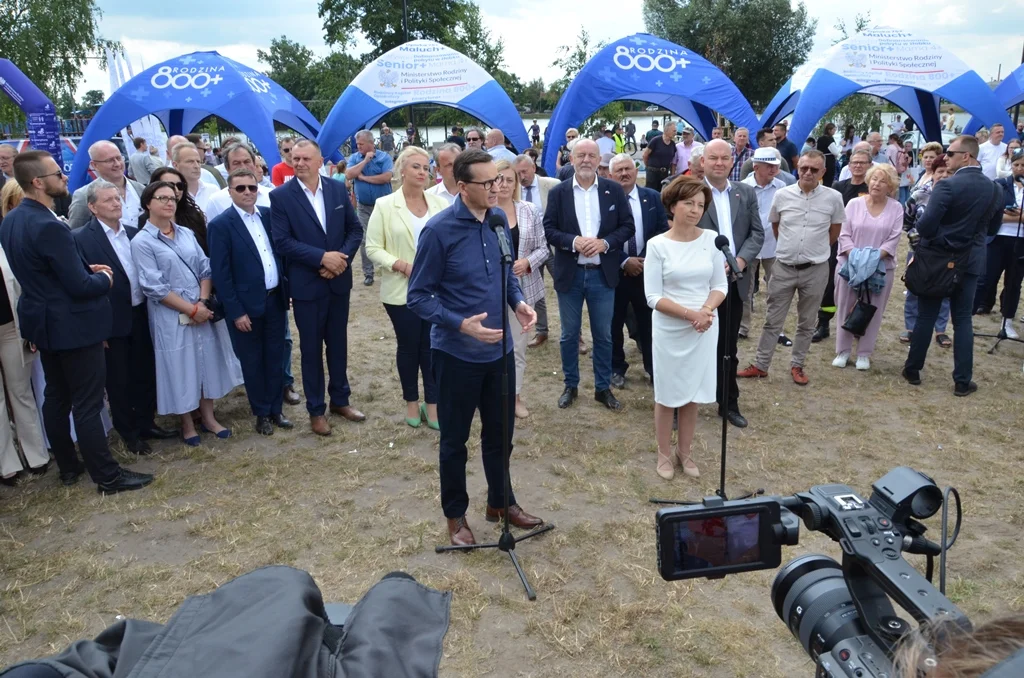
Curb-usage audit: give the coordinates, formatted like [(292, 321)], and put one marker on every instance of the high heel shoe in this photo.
[(430, 424), (664, 461), (415, 421)]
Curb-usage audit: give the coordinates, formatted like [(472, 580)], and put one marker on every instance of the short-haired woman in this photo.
[(873, 222), (684, 278), (391, 237), (929, 153)]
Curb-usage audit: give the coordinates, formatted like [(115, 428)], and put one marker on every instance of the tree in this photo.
[(92, 98), (380, 22), (50, 40), (757, 43), (317, 83), (859, 110), (332, 74)]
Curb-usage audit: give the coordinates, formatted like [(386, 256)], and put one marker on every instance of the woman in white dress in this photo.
[(684, 277)]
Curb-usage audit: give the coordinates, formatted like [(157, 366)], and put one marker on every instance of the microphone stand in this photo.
[(506, 541), (1000, 336)]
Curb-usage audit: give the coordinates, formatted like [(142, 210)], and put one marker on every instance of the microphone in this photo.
[(722, 243), (497, 224)]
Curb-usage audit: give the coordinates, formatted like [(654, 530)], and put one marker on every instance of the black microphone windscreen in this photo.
[(495, 221), (722, 241)]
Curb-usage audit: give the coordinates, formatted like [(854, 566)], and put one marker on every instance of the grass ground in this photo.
[(352, 507)]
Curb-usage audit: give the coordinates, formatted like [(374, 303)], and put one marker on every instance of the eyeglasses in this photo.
[(812, 170), (242, 188), (472, 139), (165, 198), (953, 153), (109, 161), (286, 150), (58, 173), (486, 184)]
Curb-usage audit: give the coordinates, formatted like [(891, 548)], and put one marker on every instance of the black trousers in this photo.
[(728, 334), (655, 176), (828, 299), (260, 352), (463, 388), (630, 293), (74, 385), (131, 378), (413, 354), (1001, 257)]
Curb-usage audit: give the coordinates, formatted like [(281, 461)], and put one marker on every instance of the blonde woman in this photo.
[(530, 249), (391, 237)]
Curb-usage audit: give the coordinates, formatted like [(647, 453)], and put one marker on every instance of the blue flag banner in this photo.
[(43, 126)]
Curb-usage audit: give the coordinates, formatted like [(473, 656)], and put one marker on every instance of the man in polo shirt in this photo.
[(370, 173), (660, 157), (805, 218)]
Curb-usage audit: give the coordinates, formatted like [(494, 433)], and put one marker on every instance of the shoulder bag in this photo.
[(935, 272), (215, 305)]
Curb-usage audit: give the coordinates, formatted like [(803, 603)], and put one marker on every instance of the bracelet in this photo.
[(195, 309), (710, 310)]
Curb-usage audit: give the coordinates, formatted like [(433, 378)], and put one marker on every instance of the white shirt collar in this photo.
[(319, 186), (242, 213), (108, 230), (576, 184), (635, 193), (728, 185)]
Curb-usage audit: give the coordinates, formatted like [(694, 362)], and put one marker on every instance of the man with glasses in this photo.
[(283, 171), (456, 285), (370, 173), (474, 139), (805, 218), (106, 161)]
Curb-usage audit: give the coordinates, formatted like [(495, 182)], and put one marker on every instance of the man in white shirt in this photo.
[(186, 159), (766, 182), (495, 141), (106, 161), (205, 174), (444, 160), (990, 151), (236, 156), (606, 143)]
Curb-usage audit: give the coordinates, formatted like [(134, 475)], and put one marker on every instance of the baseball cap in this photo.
[(606, 159), (767, 156)]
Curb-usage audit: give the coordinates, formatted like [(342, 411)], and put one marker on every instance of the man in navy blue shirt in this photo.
[(370, 173), (456, 285)]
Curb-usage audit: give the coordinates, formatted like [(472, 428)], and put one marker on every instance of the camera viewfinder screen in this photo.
[(717, 542)]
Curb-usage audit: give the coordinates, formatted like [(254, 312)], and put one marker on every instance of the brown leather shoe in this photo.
[(752, 372), (349, 412), (537, 340), (320, 425), (459, 532), (799, 377), (291, 397), (516, 516)]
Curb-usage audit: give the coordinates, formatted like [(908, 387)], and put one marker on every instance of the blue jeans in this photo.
[(962, 304), (904, 194), (910, 310), (588, 285)]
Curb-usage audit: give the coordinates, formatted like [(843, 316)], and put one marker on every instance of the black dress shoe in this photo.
[(820, 333), (567, 398), (157, 433), (913, 377), (368, 281), (13, 480), (291, 397), (609, 399), (735, 418), (40, 470), (618, 380), (280, 421), (264, 427), (126, 481), (962, 389), (69, 478), (139, 447)]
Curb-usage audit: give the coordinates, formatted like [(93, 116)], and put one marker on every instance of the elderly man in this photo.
[(660, 157), (716, 133), (766, 183), (7, 155), (990, 151), (370, 173), (444, 160), (741, 152), (878, 154), (649, 220), (387, 139), (696, 168), (131, 367), (210, 175), (805, 218), (533, 187), (474, 139), (588, 221), (733, 213), (236, 156), (685, 150), (495, 142), (143, 163), (862, 147), (107, 162), (186, 159), (765, 139)]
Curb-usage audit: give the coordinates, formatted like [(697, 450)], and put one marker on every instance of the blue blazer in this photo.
[(561, 227), (95, 248), (63, 305), (654, 216), (300, 239), (236, 265), (962, 211)]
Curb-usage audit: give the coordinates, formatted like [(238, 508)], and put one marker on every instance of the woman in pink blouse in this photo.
[(872, 221)]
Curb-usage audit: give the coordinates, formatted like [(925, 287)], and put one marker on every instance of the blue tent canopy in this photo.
[(183, 91), (646, 68), (421, 72), (911, 72), (1010, 93)]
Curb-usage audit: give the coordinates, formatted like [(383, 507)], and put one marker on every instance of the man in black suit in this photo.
[(249, 278), (733, 212), (962, 211), (649, 220), (65, 311), (587, 221), (131, 368), (316, 230)]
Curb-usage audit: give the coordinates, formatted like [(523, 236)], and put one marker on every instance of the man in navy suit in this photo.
[(316, 230), (588, 221), (649, 220), (249, 279), (65, 312), (963, 210), (131, 368)]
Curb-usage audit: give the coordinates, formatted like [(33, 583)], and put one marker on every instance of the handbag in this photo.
[(860, 316), (935, 272), (213, 304)]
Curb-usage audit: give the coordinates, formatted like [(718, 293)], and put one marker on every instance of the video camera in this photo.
[(841, 614)]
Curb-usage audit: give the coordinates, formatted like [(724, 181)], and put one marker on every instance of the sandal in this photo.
[(905, 337), (943, 340)]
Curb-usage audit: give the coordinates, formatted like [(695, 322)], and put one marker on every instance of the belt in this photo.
[(589, 266), (800, 267), (657, 169), (274, 291)]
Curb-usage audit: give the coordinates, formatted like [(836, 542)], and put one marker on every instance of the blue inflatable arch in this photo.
[(182, 92), (1010, 93), (421, 72), (643, 67), (43, 126), (911, 72)]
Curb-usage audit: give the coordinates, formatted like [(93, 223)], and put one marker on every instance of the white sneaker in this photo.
[(841, 359), (1008, 328), (863, 362)]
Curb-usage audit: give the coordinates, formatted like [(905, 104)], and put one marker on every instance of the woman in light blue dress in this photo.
[(195, 364)]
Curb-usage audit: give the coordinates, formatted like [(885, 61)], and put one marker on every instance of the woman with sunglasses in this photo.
[(195, 364), (564, 152), (186, 211)]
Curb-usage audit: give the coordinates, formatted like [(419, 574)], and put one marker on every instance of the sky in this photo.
[(984, 35)]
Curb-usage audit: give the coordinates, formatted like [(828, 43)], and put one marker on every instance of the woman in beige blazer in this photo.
[(16, 361), (391, 237)]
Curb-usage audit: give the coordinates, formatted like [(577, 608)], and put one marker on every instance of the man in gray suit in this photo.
[(143, 163), (106, 161), (733, 213)]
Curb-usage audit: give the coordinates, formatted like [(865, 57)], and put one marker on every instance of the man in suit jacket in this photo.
[(316, 230), (106, 161), (962, 211), (587, 221), (649, 220), (732, 212), (143, 163), (131, 368), (65, 311), (249, 277)]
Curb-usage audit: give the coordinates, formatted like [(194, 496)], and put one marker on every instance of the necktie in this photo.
[(631, 243), (529, 193)]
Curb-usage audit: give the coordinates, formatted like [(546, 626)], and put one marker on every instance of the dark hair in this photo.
[(188, 213), (830, 127), (968, 143), (894, 137), (194, 138), (762, 133), (139, 142), (28, 166), (149, 191), (241, 172), (462, 168), (939, 162), (682, 188), (228, 150)]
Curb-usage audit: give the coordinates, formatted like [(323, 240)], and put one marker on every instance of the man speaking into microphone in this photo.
[(456, 285)]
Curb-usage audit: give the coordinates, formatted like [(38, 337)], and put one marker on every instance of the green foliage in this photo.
[(757, 43), (859, 110), (317, 83), (93, 97)]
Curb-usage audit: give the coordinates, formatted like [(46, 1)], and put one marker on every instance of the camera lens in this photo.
[(812, 599)]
